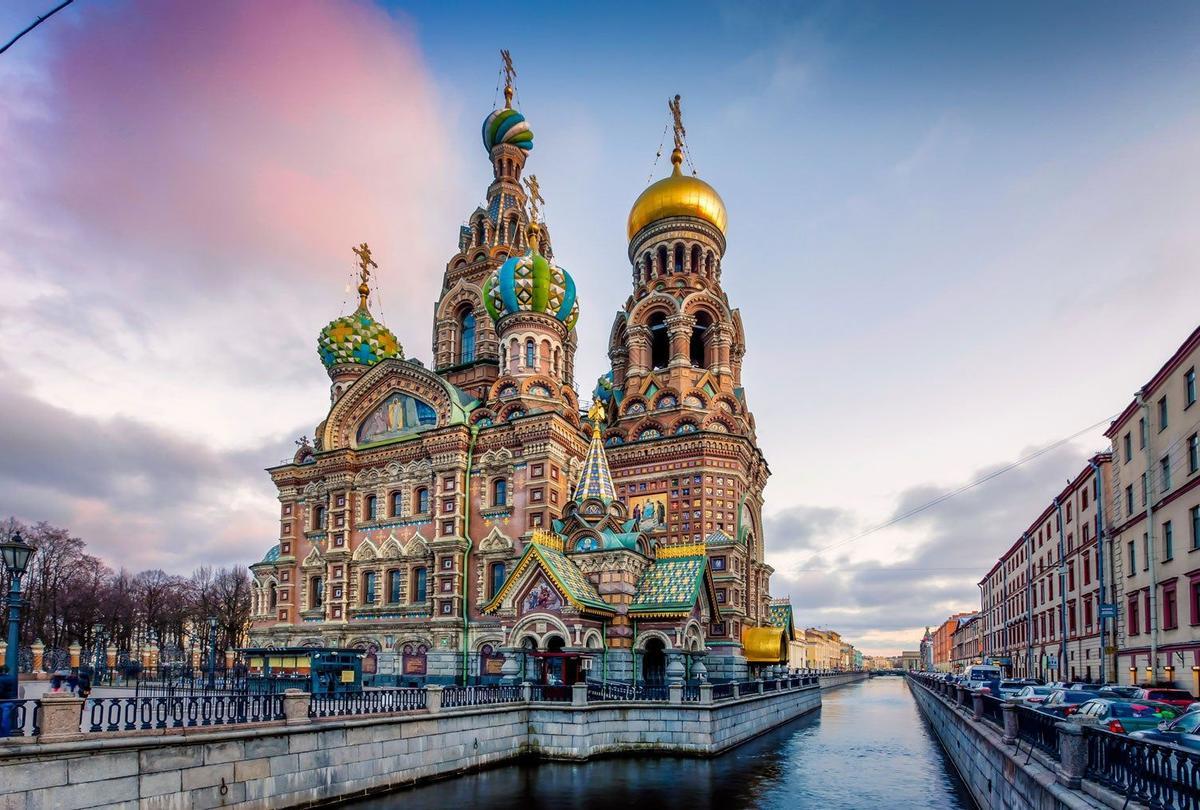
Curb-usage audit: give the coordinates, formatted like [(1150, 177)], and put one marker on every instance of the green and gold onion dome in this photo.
[(507, 126), (677, 195), (357, 338), (531, 283)]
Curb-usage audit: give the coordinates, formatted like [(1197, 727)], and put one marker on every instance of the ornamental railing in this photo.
[(1157, 775), (1038, 729), (454, 696), (993, 710), (20, 718), (141, 713), (370, 701)]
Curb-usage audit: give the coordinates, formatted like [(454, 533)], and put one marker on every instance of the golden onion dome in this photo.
[(677, 196)]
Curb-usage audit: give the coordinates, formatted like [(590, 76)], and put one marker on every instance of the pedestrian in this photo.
[(72, 683), (85, 686), (56, 685)]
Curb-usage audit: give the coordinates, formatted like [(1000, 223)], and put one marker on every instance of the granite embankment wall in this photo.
[(1000, 774), (307, 762)]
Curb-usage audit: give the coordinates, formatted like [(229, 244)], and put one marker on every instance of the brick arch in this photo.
[(653, 303)]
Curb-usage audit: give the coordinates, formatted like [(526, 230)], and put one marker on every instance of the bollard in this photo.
[(675, 693), (60, 716), (1010, 720), (706, 695), (295, 707), (433, 698), (737, 690), (579, 694), (1072, 754)]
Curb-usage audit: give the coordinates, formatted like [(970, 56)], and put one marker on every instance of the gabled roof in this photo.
[(545, 551), (720, 538), (781, 617), (672, 583)]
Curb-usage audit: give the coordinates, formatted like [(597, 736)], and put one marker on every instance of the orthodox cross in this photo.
[(302, 441), (596, 413), (510, 72), (365, 263), (677, 121), (536, 201)]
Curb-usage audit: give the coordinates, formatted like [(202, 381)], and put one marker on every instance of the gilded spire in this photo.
[(680, 132), (536, 201), (596, 480), (365, 263), (510, 73)]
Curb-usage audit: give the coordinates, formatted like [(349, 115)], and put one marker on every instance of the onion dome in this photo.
[(507, 126), (357, 338), (678, 195), (531, 283)]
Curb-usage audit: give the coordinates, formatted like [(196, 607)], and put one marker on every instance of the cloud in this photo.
[(800, 528), (937, 556)]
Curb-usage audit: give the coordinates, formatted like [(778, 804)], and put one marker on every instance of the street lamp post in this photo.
[(16, 553), (212, 656)]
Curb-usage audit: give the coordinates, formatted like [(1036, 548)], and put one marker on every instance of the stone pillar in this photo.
[(675, 671), (706, 694), (960, 695), (110, 656), (579, 694), (511, 669), (737, 690), (39, 650), (977, 704), (60, 716), (433, 698), (74, 651), (675, 694), (526, 691), (1072, 754), (295, 707), (1010, 720)]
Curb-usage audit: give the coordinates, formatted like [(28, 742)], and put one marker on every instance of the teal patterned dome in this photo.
[(531, 283), (357, 339), (507, 126)]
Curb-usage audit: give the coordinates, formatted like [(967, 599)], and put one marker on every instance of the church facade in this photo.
[(467, 522)]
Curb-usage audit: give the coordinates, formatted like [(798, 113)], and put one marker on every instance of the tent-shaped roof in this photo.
[(672, 583), (545, 551), (781, 616)]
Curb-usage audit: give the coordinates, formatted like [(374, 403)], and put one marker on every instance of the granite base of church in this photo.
[(325, 761)]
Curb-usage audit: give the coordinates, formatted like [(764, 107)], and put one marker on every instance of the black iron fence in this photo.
[(140, 713), (454, 696), (20, 718), (1161, 776), (993, 710), (370, 701)]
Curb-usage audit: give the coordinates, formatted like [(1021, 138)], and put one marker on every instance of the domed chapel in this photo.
[(469, 523)]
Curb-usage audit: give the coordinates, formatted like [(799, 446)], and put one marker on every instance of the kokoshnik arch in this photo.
[(469, 522)]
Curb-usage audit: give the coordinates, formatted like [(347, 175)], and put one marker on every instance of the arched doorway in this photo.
[(654, 662)]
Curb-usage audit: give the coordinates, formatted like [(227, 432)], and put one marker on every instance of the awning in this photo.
[(764, 645)]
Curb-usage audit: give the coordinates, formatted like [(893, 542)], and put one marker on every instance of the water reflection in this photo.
[(867, 747)]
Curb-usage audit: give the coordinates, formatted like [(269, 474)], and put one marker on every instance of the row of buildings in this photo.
[(953, 646), (1103, 583), (816, 648)]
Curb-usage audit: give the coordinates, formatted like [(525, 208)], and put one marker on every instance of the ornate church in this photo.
[(469, 523)]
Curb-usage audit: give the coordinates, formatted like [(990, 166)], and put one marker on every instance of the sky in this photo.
[(958, 233)]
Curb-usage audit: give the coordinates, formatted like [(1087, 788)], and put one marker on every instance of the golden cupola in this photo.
[(677, 195)]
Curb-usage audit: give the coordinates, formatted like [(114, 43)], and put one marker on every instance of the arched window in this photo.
[(422, 499), (557, 359), (500, 492), (397, 504), (530, 355), (708, 263), (272, 595), (466, 337), (368, 588), (663, 266), (660, 341), (503, 358), (319, 518), (393, 590), (512, 230), (696, 264), (419, 590), (678, 259), (371, 508), (698, 350), (316, 596), (647, 266), (495, 579), (479, 232)]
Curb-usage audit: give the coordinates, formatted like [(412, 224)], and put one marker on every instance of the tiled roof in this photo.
[(781, 616), (670, 585), (596, 479), (570, 581)]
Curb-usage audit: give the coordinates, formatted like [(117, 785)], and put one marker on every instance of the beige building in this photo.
[(967, 643), (910, 661), (824, 648), (1155, 496)]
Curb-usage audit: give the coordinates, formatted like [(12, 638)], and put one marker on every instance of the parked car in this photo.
[(1086, 687), (977, 676), (1115, 691), (1010, 688), (1033, 695), (1183, 730), (1064, 702), (1176, 697), (1124, 716)]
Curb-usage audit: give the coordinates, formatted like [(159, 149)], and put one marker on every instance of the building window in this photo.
[(1145, 551), (316, 592), (1086, 570), (397, 504), (1189, 388), (369, 588), (1128, 448), (1164, 465), (1162, 414), (1133, 615), (371, 507), (1194, 513), (1193, 453), (273, 595), (721, 596), (499, 492), (1132, 554), (530, 355), (466, 337), (718, 563), (393, 594), (495, 578), (422, 498), (1168, 541), (660, 342), (1170, 608), (1142, 433), (419, 577), (319, 518), (1129, 500), (697, 347)]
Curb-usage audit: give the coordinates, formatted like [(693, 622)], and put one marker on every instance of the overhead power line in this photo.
[(965, 487), (36, 22)]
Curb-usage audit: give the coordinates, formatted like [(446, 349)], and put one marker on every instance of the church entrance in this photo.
[(654, 663)]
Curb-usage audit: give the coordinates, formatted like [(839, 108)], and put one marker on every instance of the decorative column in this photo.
[(110, 656), (39, 651), (74, 651), (638, 340), (1010, 720), (977, 704), (60, 716), (1072, 754), (679, 329), (433, 698), (295, 707), (510, 670)]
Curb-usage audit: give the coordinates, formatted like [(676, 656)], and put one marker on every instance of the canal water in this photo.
[(868, 747)]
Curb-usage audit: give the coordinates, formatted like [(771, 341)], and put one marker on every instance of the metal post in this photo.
[(212, 657), (1028, 605), (1099, 501), (12, 653), (1062, 593), (1150, 550)]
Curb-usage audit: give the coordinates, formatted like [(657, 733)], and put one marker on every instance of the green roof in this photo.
[(575, 587), (670, 585), (781, 616)]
